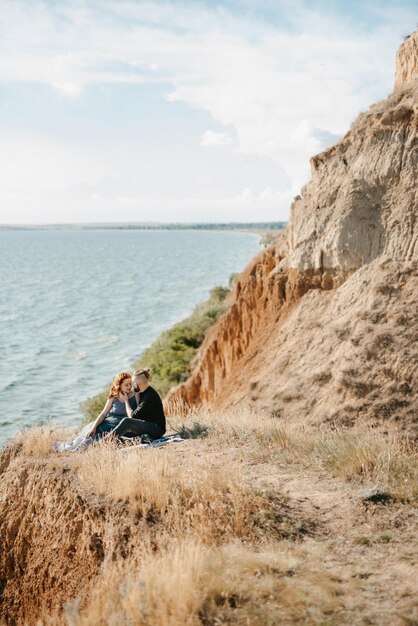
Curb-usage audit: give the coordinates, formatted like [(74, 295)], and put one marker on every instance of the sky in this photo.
[(181, 111)]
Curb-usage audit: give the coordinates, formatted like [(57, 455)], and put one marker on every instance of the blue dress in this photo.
[(115, 416)]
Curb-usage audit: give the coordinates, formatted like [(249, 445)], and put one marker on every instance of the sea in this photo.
[(79, 306)]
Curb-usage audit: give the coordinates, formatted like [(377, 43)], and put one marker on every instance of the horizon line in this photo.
[(136, 224)]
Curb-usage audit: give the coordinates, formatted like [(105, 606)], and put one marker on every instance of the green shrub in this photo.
[(170, 355), (232, 280)]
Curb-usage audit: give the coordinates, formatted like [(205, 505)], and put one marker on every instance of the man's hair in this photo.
[(146, 371)]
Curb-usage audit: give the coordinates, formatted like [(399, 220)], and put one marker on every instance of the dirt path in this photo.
[(370, 548)]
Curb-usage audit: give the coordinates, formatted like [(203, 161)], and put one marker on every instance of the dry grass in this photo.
[(184, 492), (209, 545), (362, 454), (189, 584), (38, 441)]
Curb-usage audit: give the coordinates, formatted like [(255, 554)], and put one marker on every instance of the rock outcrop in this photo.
[(321, 325), (407, 62)]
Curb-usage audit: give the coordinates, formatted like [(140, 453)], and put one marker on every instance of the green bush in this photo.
[(170, 355)]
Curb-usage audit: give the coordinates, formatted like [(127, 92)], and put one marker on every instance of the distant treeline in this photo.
[(222, 226), (254, 226)]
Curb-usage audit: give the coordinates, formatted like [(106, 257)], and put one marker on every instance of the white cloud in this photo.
[(246, 195), (285, 95), (213, 139)]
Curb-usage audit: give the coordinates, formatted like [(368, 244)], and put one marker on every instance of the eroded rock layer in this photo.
[(53, 537)]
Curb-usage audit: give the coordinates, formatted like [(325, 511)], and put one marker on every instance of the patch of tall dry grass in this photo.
[(361, 454), (38, 441), (186, 492), (189, 584)]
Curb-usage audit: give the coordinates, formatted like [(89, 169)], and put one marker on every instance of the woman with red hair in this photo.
[(115, 408)]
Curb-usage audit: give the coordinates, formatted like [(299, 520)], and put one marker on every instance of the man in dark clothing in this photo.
[(148, 418)]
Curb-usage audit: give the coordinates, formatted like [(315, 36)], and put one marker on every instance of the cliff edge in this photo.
[(407, 62), (322, 325)]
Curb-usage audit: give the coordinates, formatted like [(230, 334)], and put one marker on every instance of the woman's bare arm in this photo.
[(99, 419)]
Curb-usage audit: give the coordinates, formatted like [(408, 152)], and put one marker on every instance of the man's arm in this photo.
[(143, 409)]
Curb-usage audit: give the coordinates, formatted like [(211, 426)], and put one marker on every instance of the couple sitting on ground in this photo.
[(133, 408)]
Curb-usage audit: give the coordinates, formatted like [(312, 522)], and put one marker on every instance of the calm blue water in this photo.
[(78, 307)]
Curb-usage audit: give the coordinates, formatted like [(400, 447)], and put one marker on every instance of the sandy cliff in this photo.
[(323, 324), (407, 61)]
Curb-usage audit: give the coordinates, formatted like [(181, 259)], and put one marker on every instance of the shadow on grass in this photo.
[(196, 431)]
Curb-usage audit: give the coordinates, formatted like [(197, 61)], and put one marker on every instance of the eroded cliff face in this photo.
[(52, 538), (362, 199), (407, 62), (304, 335)]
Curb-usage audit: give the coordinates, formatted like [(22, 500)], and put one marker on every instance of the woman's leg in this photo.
[(138, 427), (104, 429)]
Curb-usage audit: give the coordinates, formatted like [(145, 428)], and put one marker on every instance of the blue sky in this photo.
[(181, 111)]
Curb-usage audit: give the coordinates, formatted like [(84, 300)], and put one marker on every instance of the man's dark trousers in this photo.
[(138, 427)]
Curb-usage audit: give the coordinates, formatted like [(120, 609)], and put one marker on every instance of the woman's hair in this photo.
[(146, 371), (115, 389)]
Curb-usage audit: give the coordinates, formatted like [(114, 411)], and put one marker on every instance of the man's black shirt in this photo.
[(150, 408)]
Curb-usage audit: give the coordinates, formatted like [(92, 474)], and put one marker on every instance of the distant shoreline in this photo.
[(252, 227)]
